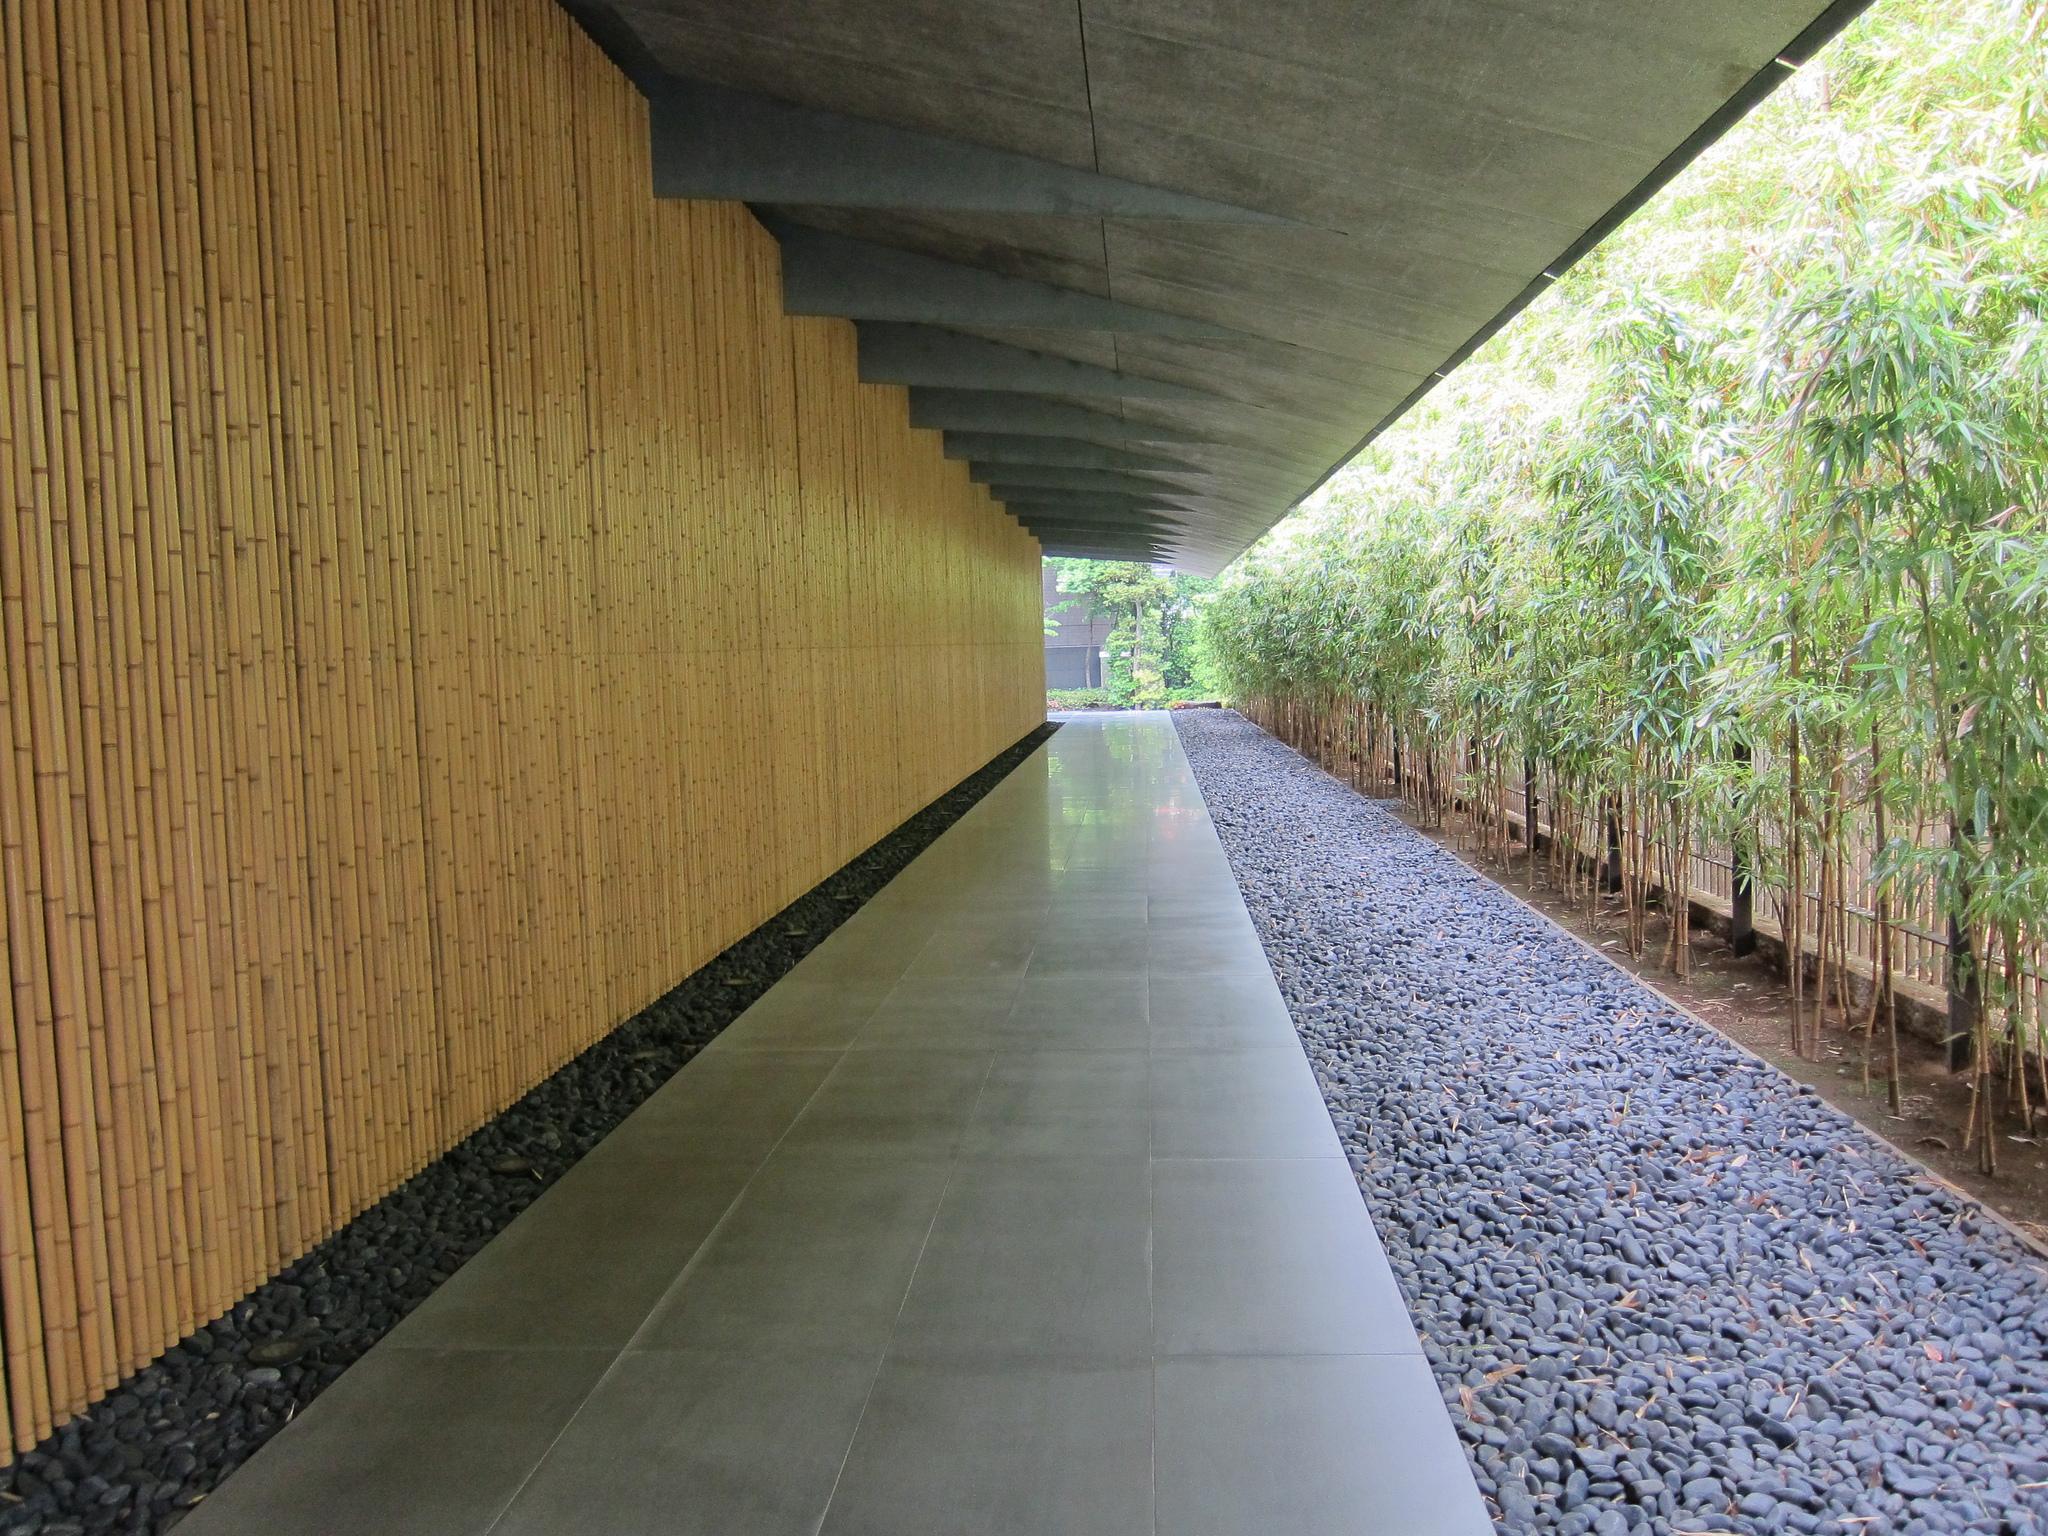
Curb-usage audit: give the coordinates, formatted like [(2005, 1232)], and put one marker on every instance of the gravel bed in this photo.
[(1663, 1287), (164, 1438)]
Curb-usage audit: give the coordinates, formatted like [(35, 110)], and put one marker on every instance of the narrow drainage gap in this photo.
[(155, 1446)]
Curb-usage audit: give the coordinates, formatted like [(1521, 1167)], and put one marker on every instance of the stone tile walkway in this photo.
[(1013, 1209)]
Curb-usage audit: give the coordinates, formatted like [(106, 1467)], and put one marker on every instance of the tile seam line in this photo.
[(1151, 1216), (952, 1173), (718, 1226), (690, 1264), (882, 1362), (1296, 1354), (1300, 1047)]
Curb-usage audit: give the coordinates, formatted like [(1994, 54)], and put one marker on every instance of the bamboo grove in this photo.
[(1735, 547)]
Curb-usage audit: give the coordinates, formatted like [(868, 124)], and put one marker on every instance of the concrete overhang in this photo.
[(1237, 236)]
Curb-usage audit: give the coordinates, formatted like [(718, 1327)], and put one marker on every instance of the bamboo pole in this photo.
[(33, 1247), (57, 729)]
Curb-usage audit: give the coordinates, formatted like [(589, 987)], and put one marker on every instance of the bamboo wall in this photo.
[(445, 602)]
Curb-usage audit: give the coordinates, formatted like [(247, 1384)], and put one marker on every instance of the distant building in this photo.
[(1073, 644)]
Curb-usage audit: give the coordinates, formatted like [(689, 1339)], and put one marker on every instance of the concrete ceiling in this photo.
[(1240, 236)]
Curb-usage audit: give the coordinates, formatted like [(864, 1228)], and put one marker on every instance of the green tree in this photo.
[(1153, 648)]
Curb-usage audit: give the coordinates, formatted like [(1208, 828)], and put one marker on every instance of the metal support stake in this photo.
[(1965, 997), (1965, 986), (1742, 910), (1612, 882)]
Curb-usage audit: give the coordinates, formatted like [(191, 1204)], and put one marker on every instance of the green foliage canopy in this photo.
[(1764, 472), (1153, 651)]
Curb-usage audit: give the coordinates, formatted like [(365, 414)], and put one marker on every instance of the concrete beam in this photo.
[(1062, 477), (989, 410), (828, 274), (1099, 546), (1019, 448), (1175, 521), (712, 141), (1109, 517), (1102, 537), (1038, 499), (1123, 517), (1046, 533), (893, 353), (1151, 538), (1067, 550), (1100, 532)]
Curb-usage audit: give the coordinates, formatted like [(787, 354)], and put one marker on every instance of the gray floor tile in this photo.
[(1270, 1257), (1097, 884), (1056, 1103), (1206, 947), (1206, 1012), (945, 1012), (874, 954), (1019, 897), (1201, 905), (1037, 1258), (696, 1443), (586, 1264), (1333, 1445), (1099, 952), (1238, 1103), (817, 1254), (914, 1102), (952, 1448), (1123, 913), (407, 1443), (731, 1105), (1078, 1013), (888, 922), (980, 949), (976, 929), (805, 1015)]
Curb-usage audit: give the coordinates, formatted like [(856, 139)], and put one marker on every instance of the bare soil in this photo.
[(1745, 997)]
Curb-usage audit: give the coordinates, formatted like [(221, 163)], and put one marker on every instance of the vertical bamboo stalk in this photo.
[(57, 729), (34, 1245)]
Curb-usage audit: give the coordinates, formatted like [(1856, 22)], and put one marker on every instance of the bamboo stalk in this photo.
[(134, 559), (59, 736)]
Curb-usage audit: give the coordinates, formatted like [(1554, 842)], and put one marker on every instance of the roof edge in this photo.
[(1783, 64)]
